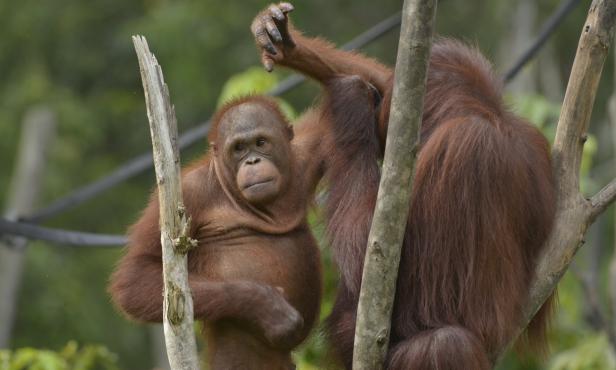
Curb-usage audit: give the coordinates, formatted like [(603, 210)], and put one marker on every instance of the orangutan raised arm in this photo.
[(280, 43)]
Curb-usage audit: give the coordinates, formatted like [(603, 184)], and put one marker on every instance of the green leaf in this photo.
[(535, 108), (592, 353), (253, 81), (71, 357)]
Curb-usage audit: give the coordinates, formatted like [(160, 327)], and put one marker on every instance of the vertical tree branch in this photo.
[(36, 138), (573, 212), (178, 305), (391, 212)]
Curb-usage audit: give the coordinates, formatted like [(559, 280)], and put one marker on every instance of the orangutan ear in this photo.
[(214, 148), (290, 133)]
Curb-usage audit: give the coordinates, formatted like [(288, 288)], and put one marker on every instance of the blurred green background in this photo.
[(76, 59)]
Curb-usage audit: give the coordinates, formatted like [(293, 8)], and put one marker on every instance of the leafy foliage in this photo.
[(253, 81), (71, 357), (593, 353)]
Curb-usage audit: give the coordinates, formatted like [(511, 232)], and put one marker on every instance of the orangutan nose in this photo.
[(253, 160)]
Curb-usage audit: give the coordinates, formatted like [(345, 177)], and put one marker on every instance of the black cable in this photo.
[(134, 167), (59, 236), (559, 15), (144, 161)]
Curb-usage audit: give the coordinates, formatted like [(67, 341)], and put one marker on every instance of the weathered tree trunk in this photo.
[(574, 213), (174, 223), (36, 138), (391, 212)]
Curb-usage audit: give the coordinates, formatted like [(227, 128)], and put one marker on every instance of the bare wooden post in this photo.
[(391, 212), (174, 224), (36, 138), (574, 213)]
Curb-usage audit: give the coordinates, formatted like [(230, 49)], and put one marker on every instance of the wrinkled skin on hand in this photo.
[(270, 29)]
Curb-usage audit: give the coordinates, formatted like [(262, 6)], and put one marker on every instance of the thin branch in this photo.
[(178, 305), (391, 212), (603, 199)]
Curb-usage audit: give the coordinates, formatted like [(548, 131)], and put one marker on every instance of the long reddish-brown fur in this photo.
[(353, 151), (255, 274), (482, 204), (482, 207)]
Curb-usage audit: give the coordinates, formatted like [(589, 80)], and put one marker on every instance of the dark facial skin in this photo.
[(252, 146)]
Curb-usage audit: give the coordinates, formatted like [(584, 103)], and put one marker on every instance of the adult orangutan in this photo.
[(255, 275), (482, 202)]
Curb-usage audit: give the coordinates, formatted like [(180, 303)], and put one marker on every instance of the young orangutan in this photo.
[(255, 275), (481, 208)]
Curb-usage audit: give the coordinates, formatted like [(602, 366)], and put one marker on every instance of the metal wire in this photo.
[(546, 31), (144, 162), (59, 236)]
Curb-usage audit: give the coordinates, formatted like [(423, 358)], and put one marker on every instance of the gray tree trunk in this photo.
[(391, 212), (174, 223), (37, 136)]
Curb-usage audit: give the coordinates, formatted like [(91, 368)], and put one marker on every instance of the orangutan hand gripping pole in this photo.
[(481, 208), (255, 275)]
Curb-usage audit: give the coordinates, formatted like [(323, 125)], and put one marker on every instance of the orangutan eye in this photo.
[(238, 147), (260, 141)]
